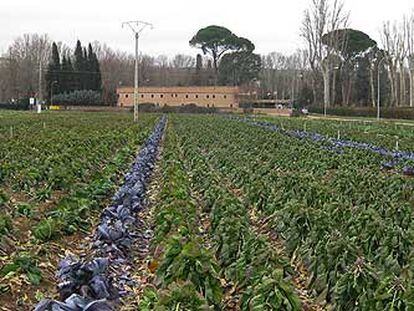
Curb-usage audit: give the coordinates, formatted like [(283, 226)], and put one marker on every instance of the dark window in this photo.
[(231, 105), (126, 95), (207, 96), (162, 96), (152, 95), (186, 96), (214, 96), (176, 95), (172, 95), (196, 96), (142, 95), (225, 96), (208, 104)]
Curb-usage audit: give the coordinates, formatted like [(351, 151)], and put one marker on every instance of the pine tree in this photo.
[(53, 74)]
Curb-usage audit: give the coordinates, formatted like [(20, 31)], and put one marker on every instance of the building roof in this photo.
[(181, 89)]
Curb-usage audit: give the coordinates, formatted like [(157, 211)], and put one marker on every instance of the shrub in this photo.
[(15, 106), (82, 97)]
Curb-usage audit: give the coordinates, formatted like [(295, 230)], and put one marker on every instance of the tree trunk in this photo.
[(334, 88), (411, 76), (402, 86), (326, 86), (392, 86), (349, 92)]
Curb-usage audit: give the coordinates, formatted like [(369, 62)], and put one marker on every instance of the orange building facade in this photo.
[(204, 96)]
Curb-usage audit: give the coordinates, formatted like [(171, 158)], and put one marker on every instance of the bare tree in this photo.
[(272, 73), (374, 58), (183, 61), (409, 25), (394, 41), (321, 18), (21, 65), (389, 44)]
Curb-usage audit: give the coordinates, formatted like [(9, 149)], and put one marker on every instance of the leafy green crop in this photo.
[(177, 296), (47, 229), (331, 209), (24, 209), (5, 223), (23, 264)]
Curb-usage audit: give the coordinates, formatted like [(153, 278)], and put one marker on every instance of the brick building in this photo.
[(205, 96)]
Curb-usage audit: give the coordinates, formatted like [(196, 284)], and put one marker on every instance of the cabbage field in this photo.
[(204, 212), (57, 171)]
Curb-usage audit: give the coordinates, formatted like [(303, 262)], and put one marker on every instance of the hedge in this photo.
[(386, 112), (14, 106), (81, 97)]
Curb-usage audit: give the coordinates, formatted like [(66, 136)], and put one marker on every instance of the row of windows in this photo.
[(176, 95), (231, 105)]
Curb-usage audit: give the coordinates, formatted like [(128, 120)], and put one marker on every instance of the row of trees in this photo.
[(66, 76), (338, 66), (101, 68), (344, 64), (398, 42)]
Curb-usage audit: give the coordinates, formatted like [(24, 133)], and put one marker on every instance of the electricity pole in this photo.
[(137, 27), (40, 95)]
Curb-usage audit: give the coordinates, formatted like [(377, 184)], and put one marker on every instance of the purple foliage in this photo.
[(90, 285), (337, 145)]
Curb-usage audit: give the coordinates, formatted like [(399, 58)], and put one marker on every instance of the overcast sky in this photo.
[(273, 25)]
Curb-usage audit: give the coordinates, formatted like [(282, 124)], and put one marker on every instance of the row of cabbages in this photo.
[(396, 157), (97, 281)]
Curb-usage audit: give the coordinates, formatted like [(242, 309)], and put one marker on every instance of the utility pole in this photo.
[(40, 95), (137, 27)]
